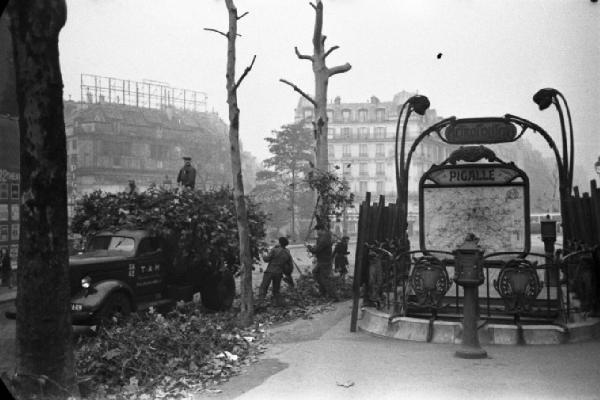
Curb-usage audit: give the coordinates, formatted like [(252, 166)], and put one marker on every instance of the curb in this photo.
[(377, 323)]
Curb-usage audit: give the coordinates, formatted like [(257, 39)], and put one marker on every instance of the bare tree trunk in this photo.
[(247, 300), (293, 204), (44, 332), (322, 74)]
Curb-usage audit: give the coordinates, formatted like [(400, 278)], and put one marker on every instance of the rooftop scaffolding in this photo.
[(144, 94)]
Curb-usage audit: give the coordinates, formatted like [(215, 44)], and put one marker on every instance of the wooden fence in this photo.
[(584, 217), (376, 222)]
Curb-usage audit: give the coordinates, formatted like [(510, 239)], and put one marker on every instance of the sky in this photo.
[(495, 55)]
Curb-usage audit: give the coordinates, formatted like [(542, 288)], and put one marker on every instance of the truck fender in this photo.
[(93, 298)]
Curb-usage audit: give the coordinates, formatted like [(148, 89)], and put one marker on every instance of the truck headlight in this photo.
[(86, 282)]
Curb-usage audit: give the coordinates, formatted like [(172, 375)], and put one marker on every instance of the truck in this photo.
[(129, 270)]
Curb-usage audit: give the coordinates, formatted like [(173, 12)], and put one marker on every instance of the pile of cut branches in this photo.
[(302, 301), (154, 356)]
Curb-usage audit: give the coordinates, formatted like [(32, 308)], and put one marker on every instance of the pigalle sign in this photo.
[(475, 175)]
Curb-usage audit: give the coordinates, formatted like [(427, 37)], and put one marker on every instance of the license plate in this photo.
[(76, 307)]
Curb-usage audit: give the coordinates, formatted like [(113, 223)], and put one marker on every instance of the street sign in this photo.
[(480, 131), (472, 175)]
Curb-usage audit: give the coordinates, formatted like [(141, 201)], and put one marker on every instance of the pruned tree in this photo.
[(246, 297), (322, 74), (45, 360)]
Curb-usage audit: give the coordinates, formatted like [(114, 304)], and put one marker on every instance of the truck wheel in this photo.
[(117, 304), (218, 291)]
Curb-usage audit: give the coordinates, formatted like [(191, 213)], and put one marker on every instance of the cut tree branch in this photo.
[(297, 89), (248, 68), (302, 56), (312, 5), (339, 69), (328, 52), (243, 15), (217, 31), (318, 25), (220, 33)]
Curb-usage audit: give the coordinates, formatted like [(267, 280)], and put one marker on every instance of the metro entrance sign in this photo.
[(473, 175), (480, 131)]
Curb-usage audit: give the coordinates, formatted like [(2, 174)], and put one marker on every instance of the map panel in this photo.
[(494, 213)]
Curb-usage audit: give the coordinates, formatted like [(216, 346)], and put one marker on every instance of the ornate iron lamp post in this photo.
[(418, 104), (544, 98)]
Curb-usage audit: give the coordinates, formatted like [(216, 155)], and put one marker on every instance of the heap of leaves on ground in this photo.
[(151, 355), (154, 356), (303, 300)]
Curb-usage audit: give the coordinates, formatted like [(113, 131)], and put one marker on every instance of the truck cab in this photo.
[(119, 272)]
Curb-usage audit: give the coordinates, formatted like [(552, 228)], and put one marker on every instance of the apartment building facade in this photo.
[(361, 141), (110, 144)]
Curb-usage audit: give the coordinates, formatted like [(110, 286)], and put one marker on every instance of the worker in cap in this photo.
[(187, 174)]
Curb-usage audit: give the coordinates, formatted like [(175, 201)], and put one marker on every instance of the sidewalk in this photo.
[(322, 359), (7, 295)]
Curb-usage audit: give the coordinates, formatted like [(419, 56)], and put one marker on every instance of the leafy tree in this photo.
[(292, 149)]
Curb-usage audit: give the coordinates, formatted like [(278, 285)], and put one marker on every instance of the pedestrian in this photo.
[(322, 252), (6, 267), (280, 263), (132, 187), (187, 174), (340, 257)]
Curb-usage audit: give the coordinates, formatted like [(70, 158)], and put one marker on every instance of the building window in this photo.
[(14, 253), (3, 233), (346, 115), (363, 150), (3, 212), (330, 151), (346, 151), (362, 115), (14, 232), (362, 187), (116, 161), (330, 133), (3, 191), (363, 132), (379, 132), (379, 150), (380, 114), (330, 115), (158, 152), (14, 191), (363, 169), (308, 113), (14, 212), (380, 187), (346, 132), (380, 169)]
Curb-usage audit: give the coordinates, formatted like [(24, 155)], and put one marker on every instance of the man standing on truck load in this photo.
[(280, 263), (322, 252), (187, 174)]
